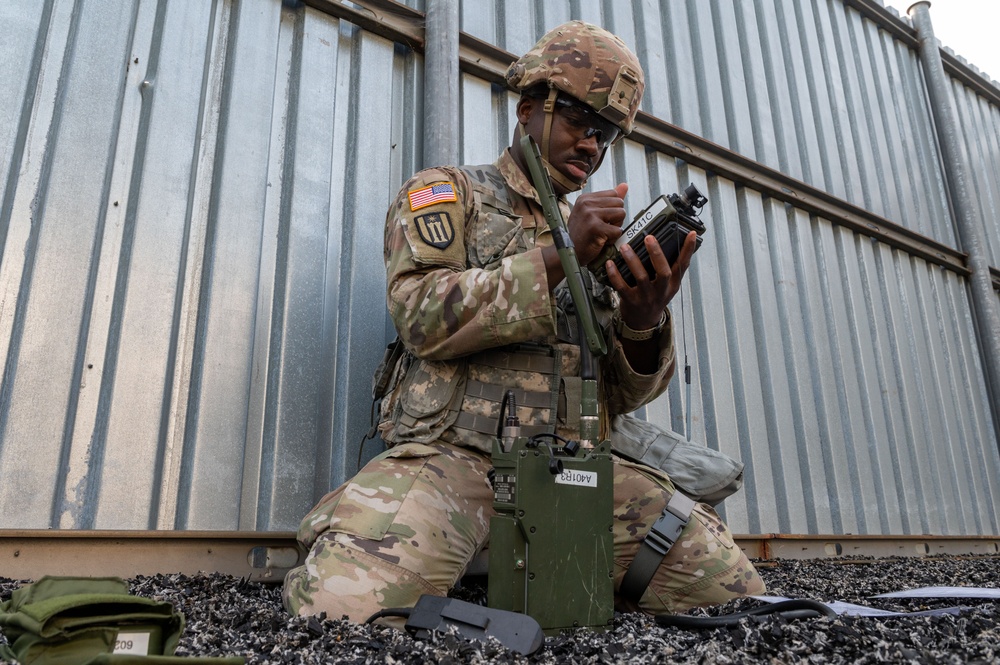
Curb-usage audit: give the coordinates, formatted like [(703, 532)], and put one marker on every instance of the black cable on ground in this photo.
[(402, 612), (800, 608)]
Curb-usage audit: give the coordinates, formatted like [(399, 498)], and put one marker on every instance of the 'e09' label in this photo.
[(134, 643), (580, 478)]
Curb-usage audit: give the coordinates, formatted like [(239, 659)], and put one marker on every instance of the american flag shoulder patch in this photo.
[(439, 192)]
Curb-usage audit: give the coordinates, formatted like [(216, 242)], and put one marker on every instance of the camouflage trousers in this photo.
[(411, 521)]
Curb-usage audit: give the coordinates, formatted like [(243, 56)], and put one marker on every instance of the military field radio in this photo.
[(669, 219), (551, 541)]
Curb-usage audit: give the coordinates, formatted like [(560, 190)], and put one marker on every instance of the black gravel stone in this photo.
[(228, 616)]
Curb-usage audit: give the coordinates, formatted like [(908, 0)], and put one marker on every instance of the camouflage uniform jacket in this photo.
[(468, 294)]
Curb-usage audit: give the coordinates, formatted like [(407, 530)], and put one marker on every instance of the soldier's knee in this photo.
[(736, 579), (344, 581)]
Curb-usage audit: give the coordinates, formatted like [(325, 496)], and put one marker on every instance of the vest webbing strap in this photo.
[(522, 362), (661, 537), (487, 425), (495, 393)]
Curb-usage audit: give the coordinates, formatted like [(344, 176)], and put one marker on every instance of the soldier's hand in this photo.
[(643, 304), (596, 221)]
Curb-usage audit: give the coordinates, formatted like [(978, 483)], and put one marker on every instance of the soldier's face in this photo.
[(575, 152)]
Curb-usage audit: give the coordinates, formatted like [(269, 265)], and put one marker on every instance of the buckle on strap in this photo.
[(666, 530), (654, 547)]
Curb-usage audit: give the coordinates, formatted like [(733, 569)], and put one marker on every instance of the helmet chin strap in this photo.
[(554, 174)]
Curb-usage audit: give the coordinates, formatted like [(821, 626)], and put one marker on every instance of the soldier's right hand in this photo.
[(596, 221)]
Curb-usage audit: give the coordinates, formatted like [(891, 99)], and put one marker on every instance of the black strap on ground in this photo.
[(661, 537), (799, 608)]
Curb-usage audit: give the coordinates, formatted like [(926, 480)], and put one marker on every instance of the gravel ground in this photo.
[(229, 616)]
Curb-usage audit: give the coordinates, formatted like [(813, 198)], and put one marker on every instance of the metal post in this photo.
[(984, 298), (441, 82)]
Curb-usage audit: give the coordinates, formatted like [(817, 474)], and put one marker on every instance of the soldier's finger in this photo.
[(615, 278), (687, 252), (634, 264), (658, 260), (617, 192)]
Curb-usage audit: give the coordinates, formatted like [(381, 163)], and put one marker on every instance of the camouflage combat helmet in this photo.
[(587, 63)]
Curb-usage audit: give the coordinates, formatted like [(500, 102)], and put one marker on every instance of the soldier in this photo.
[(472, 276)]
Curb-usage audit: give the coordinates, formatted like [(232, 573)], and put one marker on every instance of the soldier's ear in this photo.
[(525, 107)]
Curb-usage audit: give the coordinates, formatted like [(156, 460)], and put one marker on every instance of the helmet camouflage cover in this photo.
[(588, 63)]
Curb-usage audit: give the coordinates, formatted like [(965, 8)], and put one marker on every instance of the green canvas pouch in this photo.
[(83, 620)]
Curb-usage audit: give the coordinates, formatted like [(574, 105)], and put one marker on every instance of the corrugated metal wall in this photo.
[(192, 292), (191, 281)]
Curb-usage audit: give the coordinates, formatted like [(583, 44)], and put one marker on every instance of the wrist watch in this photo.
[(624, 332)]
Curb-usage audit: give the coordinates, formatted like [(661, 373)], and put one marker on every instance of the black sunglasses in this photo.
[(584, 120)]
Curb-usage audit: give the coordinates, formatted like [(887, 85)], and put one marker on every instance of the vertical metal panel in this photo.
[(710, 86), (88, 72), (225, 371), (482, 120), (778, 70), (979, 126), (192, 292), (479, 20), (121, 406), (929, 213)]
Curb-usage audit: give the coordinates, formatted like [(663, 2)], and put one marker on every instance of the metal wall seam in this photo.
[(303, 425), (26, 113), (74, 179), (362, 273), (785, 87), (90, 444), (219, 407), (43, 52), (307, 295), (190, 177), (268, 328)]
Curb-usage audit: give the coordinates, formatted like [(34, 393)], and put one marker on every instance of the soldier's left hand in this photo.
[(643, 304)]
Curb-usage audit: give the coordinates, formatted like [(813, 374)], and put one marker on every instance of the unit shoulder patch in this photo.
[(435, 229), (439, 192)]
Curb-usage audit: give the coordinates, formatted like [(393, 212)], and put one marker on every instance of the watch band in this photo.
[(638, 335)]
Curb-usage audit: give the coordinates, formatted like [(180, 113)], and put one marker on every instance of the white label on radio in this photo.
[(134, 643), (574, 477), (659, 205)]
